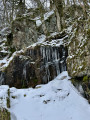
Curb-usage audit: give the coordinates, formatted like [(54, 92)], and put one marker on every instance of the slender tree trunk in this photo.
[(59, 13), (5, 11), (74, 2), (12, 10), (68, 2), (85, 5)]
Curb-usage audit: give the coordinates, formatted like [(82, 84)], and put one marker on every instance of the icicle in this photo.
[(51, 56), (57, 67)]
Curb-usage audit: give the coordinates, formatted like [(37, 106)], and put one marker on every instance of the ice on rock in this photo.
[(53, 56)]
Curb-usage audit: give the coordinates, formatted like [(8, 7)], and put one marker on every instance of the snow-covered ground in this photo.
[(57, 100)]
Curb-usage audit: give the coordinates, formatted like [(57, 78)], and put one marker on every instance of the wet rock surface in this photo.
[(37, 65)]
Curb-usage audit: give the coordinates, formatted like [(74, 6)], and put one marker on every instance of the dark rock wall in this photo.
[(35, 66)]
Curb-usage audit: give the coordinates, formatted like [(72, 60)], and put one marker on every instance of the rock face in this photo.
[(26, 31), (35, 66), (51, 23), (42, 63), (78, 61)]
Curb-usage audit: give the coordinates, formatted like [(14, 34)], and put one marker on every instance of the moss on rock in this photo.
[(4, 114)]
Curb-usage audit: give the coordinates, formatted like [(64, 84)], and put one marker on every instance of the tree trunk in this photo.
[(68, 2), (74, 2), (59, 13), (85, 5), (5, 11)]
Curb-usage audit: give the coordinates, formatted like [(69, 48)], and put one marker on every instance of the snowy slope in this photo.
[(57, 100)]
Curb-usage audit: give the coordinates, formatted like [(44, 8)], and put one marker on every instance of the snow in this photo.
[(3, 61), (53, 34), (42, 41), (38, 23), (3, 95), (41, 38), (71, 56), (57, 100), (69, 29), (54, 42), (80, 67), (29, 4), (47, 4), (5, 31), (48, 14), (6, 61)]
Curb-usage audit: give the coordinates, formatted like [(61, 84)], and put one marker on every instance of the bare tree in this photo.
[(85, 6), (5, 10), (68, 2)]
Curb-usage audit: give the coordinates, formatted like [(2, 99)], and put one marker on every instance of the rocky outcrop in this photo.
[(35, 66), (86, 87), (4, 114), (78, 61), (26, 30), (40, 64), (83, 86)]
